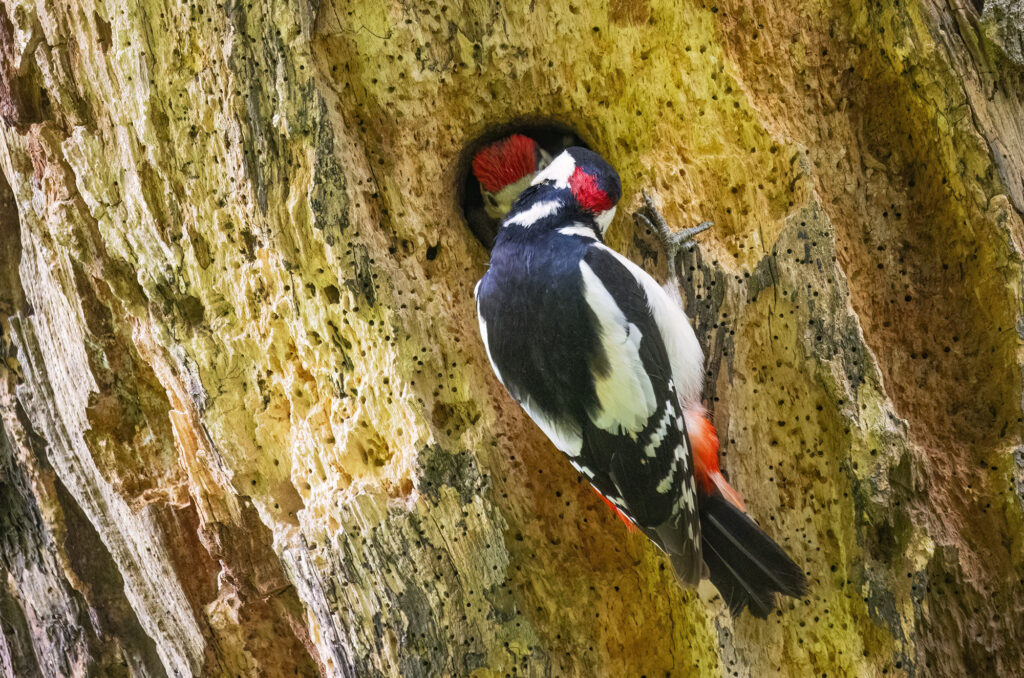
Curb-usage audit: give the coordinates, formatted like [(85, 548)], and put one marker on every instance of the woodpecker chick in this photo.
[(504, 168), (607, 365)]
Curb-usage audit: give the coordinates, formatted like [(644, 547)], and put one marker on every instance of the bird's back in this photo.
[(539, 332)]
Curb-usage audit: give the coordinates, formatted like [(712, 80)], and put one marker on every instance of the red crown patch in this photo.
[(505, 162)]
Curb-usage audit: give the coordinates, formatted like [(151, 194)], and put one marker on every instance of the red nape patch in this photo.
[(505, 162), (588, 195), (622, 516)]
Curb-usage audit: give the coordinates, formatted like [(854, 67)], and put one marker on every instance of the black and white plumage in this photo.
[(577, 335), (607, 364)]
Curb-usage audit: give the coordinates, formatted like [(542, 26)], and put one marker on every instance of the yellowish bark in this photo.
[(248, 425)]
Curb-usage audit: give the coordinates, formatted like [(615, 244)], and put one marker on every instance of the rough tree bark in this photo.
[(248, 427)]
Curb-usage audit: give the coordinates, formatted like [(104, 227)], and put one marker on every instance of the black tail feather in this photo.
[(745, 565)]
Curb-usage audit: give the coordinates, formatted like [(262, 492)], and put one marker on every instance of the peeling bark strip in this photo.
[(246, 423)]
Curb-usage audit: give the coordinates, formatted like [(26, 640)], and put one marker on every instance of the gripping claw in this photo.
[(673, 242)]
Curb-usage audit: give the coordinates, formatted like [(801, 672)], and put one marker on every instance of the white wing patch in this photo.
[(625, 395), (684, 352)]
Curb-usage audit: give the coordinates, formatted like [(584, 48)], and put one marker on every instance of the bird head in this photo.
[(504, 168), (593, 183)]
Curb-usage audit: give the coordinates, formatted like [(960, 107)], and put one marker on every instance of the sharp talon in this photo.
[(647, 198), (688, 233), (639, 217), (673, 242)]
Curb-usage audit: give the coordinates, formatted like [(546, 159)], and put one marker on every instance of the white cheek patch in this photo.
[(604, 219), (558, 172)]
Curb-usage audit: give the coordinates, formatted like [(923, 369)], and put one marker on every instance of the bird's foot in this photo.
[(673, 242)]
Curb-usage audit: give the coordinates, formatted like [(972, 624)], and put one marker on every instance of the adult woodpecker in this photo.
[(605, 362)]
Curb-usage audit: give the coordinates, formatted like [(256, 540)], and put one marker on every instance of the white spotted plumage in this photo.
[(651, 449)]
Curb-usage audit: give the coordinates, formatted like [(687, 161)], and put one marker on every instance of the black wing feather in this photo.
[(650, 487)]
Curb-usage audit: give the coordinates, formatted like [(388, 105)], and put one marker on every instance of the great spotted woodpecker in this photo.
[(605, 361)]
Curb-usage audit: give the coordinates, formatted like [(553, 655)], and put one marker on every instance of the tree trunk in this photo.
[(249, 428)]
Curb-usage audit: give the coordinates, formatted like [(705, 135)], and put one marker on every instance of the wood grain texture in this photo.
[(248, 427)]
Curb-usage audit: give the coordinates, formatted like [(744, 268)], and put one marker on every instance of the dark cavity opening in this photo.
[(550, 135)]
